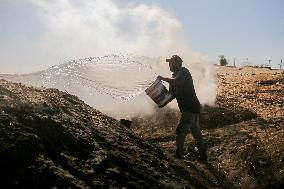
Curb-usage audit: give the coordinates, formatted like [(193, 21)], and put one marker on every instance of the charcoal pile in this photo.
[(49, 139)]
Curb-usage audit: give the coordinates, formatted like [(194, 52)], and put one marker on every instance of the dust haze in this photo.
[(80, 29)]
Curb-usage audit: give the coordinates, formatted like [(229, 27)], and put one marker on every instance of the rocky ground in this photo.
[(51, 139)]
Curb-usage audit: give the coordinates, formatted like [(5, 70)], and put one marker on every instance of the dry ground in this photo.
[(244, 132)]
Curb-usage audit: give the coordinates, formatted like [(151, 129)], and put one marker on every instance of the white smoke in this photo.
[(87, 28), (76, 29)]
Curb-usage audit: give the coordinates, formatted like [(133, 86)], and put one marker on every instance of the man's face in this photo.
[(173, 66)]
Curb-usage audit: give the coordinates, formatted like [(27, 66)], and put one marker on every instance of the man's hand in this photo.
[(164, 79)]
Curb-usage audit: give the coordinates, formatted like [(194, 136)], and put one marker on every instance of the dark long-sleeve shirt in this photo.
[(185, 94)]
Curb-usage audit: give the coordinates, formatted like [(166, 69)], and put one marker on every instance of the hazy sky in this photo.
[(235, 28), (35, 34)]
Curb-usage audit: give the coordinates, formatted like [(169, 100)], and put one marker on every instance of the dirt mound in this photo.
[(52, 139)]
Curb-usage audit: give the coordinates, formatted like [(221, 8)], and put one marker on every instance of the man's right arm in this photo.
[(178, 80)]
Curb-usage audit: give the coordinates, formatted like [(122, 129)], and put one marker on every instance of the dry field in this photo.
[(244, 131)]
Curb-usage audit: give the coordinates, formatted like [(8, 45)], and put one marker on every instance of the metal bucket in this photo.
[(158, 93)]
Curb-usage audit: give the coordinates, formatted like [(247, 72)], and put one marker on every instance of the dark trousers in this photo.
[(189, 122)]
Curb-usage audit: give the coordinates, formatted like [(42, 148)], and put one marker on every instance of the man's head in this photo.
[(175, 62)]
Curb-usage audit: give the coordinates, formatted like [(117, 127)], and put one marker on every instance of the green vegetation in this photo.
[(223, 61)]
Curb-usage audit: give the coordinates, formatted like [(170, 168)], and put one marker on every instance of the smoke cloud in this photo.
[(75, 29), (87, 28)]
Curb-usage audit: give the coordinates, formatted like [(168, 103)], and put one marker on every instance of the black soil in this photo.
[(49, 138)]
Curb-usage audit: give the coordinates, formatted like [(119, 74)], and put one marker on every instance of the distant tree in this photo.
[(223, 61)]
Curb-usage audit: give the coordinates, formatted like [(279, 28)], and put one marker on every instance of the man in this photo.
[(181, 88)]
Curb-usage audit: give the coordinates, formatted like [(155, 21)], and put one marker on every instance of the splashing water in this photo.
[(115, 84), (121, 77)]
